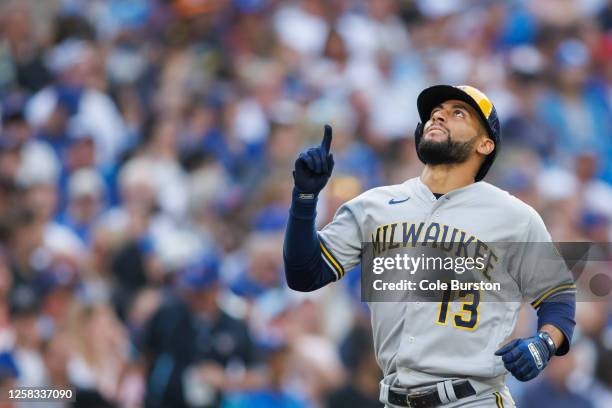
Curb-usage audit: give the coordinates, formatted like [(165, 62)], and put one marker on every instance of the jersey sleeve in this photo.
[(341, 241), (541, 272)]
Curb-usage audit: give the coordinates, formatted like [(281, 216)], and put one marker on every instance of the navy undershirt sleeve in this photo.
[(305, 270), (560, 313)]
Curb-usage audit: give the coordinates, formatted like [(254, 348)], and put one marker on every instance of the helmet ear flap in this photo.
[(418, 133)]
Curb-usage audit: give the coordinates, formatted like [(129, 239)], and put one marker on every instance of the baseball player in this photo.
[(452, 353)]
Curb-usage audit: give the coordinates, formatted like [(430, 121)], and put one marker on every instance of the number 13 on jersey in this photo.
[(467, 317)]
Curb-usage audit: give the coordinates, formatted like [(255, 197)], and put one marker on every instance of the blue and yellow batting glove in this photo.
[(526, 358)]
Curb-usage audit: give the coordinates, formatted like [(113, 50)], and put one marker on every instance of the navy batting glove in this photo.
[(313, 168), (526, 358)]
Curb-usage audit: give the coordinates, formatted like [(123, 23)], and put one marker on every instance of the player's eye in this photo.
[(459, 113)]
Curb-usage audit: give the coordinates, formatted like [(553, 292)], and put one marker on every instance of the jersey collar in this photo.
[(422, 190)]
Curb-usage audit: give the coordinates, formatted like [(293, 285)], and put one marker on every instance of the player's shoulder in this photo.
[(379, 194), (505, 201)]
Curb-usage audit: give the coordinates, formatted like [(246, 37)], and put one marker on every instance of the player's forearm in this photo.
[(557, 319), (304, 268), (555, 334)]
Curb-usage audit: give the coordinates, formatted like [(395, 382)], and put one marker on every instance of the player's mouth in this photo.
[(435, 130)]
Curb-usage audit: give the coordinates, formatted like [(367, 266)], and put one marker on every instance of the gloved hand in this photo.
[(313, 168), (525, 358)]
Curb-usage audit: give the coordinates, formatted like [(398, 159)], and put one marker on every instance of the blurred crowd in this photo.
[(146, 152)]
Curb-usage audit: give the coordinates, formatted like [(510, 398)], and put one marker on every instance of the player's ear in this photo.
[(485, 146)]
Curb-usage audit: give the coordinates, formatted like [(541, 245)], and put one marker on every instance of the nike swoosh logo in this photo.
[(394, 201)]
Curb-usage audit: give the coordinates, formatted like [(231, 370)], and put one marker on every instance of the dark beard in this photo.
[(444, 152)]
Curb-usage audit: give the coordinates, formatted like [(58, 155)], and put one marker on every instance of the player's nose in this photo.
[(438, 116)]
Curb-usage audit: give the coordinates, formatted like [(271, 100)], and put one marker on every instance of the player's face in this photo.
[(451, 133)]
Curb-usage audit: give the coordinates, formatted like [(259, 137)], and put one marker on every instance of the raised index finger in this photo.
[(327, 138)]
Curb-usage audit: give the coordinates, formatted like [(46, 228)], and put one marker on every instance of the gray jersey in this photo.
[(411, 342)]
